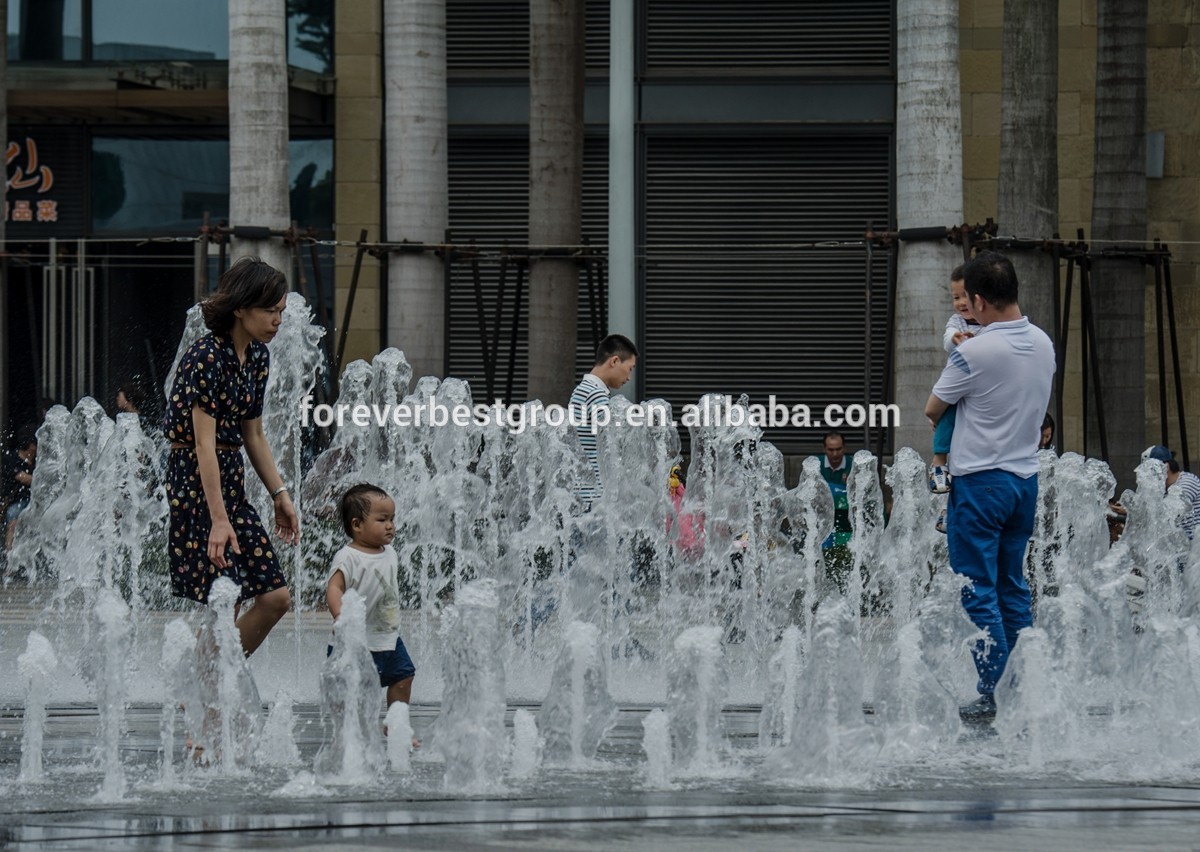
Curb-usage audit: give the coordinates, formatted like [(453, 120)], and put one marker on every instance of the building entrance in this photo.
[(85, 317)]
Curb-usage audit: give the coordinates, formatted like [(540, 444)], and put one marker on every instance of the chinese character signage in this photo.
[(46, 178)]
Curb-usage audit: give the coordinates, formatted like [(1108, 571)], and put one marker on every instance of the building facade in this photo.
[(118, 143), (763, 146), (1173, 184)]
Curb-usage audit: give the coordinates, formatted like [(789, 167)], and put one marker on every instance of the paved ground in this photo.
[(605, 807), (1084, 818)]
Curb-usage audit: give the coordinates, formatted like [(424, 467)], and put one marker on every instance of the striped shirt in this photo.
[(588, 395), (1188, 485)]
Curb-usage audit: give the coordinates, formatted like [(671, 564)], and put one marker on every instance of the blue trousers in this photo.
[(990, 520)]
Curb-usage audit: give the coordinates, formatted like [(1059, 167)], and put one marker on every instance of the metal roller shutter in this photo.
[(729, 307), (489, 203), (494, 35), (793, 34)]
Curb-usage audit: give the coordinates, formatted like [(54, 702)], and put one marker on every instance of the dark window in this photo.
[(132, 30), (155, 184), (310, 35), (310, 177), (155, 30), (166, 185), (45, 30)]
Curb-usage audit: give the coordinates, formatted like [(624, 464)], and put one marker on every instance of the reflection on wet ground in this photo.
[(608, 806)]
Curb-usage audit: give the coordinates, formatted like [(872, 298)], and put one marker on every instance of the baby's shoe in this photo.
[(939, 479), (940, 526)]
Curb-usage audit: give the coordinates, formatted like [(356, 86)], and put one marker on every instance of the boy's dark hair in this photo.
[(991, 276), (615, 344), (357, 502), (1173, 466), (956, 274), (135, 394), (249, 283)]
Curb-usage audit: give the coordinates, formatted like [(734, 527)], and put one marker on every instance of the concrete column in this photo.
[(623, 309)]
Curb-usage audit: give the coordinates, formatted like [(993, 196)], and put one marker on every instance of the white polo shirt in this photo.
[(1000, 379)]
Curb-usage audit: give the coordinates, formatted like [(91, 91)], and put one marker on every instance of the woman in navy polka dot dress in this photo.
[(214, 410)]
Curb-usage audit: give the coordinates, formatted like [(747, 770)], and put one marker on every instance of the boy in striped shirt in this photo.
[(616, 356)]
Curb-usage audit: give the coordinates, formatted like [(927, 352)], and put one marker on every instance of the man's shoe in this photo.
[(939, 479), (981, 710)]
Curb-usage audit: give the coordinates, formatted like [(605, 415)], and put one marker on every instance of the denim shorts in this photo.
[(15, 509), (393, 666)]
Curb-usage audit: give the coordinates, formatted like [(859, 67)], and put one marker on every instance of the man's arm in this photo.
[(951, 387), (935, 408)]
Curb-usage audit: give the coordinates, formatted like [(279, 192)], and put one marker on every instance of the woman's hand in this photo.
[(287, 522), (219, 537)]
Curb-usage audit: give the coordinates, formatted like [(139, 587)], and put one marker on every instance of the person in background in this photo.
[(616, 356), (688, 536), (1180, 480), (1047, 442), (130, 399), (835, 470), (18, 477), (1000, 380)]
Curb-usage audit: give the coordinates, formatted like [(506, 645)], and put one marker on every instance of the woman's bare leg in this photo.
[(257, 621)]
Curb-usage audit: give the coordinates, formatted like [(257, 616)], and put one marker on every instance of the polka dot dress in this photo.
[(211, 376)]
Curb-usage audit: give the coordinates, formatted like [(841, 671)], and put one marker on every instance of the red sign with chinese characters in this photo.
[(45, 184), (25, 174)]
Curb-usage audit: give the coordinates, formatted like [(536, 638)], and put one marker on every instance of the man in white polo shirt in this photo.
[(1000, 380)]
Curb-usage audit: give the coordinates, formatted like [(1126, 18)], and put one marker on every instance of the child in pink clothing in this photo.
[(689, 536)]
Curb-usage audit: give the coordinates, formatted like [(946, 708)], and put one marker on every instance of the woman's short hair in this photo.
[(249, 283)]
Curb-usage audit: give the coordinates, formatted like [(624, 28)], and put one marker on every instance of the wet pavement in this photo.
[(1086, 818), (604, 806)]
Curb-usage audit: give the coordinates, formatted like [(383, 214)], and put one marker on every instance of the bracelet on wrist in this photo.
[(281, 489)]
